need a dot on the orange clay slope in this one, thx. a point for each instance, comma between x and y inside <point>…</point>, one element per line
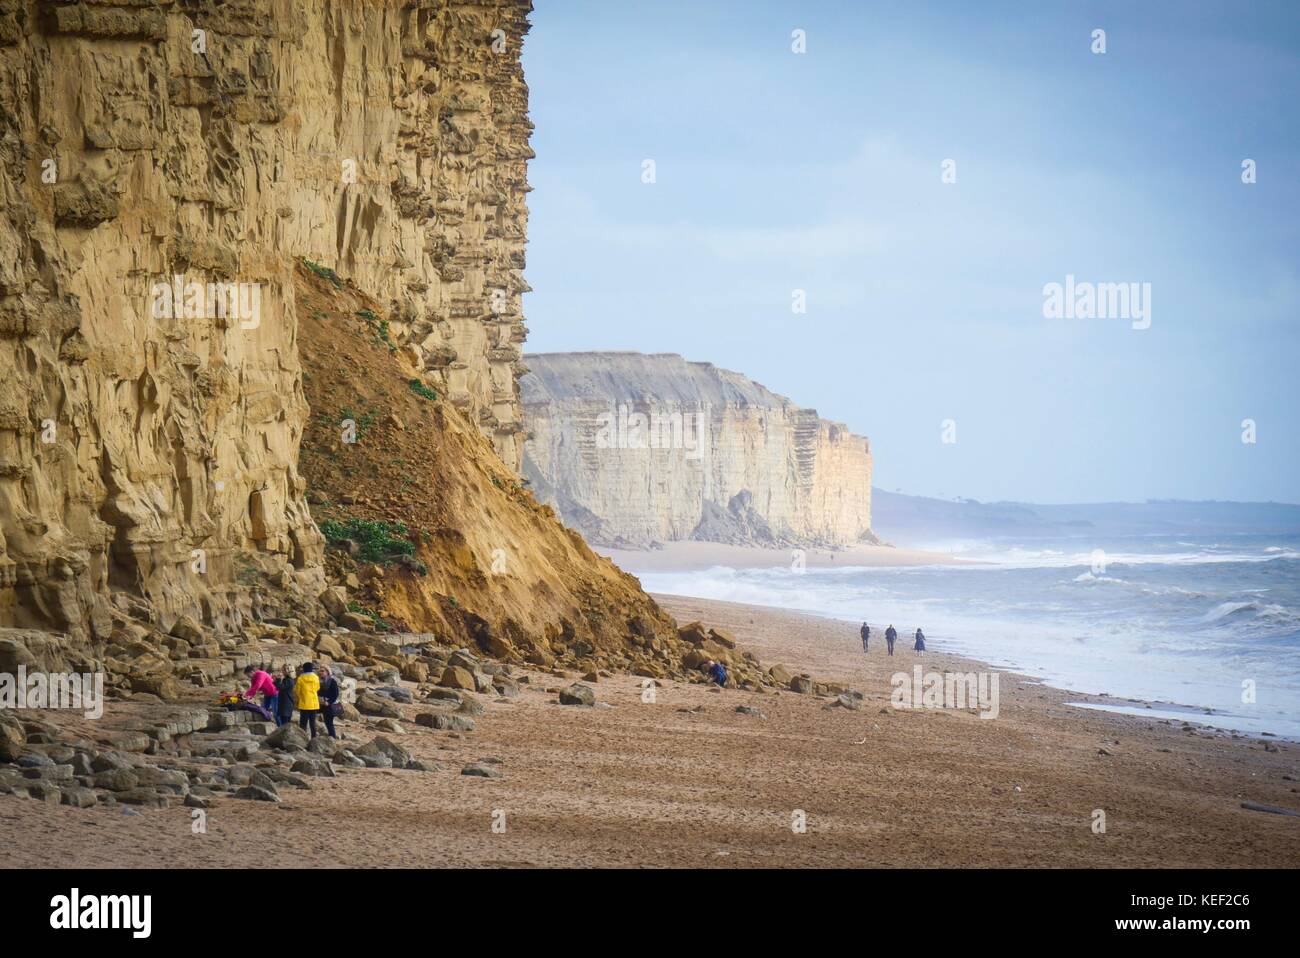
<point>491,568</point>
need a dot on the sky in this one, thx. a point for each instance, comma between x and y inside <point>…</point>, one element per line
<point>925,326</point>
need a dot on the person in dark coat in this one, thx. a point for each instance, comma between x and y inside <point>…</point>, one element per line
<point>865,632</point>
<point>920,641</point>
<point>891,636</point>
<point>329,694</point>
<point>284,701</point>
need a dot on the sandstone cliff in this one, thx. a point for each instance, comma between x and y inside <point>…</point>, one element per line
<point>632,449</point>
<point>150,418</point>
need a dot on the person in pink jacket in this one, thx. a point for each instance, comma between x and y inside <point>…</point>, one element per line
<point>261,681</point>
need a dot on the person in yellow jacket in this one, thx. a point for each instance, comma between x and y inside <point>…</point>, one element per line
<point>305,696</point>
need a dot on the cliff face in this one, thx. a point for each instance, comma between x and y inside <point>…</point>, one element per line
<point>632,449</point>
<point>149,417</point>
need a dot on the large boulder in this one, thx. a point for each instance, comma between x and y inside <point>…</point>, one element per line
<point>329,647</point>
<point>78,797</point>
<point>471,706</point>
<point>693,632</point>
<point>117,780</point>
<point>356,622</point>
<point>381,706</point>
<point>465,659</point>
<point>416,671</point>
<point>316,767</point>
<point>335,600</point>
<point>723,637</point>
<point>398,756</point>
<point>695,658</point>
<point>445,722</point>
<point>258,793</point>
<point>498,646</point>
<point>164,686</point>
<point>578,694</point>
<point>458,677</point>
<point>288,737</point>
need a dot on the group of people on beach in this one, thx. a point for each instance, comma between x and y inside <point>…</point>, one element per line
<point>891,636</point>
<point>312,691</point>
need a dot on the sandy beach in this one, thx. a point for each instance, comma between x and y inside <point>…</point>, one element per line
<point>687,781</point>
<point>691,555</point>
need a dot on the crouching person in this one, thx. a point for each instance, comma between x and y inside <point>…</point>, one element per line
<point>260,681</point>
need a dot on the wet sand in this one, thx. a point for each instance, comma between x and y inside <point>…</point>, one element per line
<point>686,781</point>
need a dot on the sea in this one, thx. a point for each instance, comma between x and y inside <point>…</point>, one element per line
<point>1201,628</point>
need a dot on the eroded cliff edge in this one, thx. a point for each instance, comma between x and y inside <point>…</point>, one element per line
<point>633,449</point>
<point>149,448</point>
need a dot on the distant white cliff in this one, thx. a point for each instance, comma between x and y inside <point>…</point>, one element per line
<point>633,449</point>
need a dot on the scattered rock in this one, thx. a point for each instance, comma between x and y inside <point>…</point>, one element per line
<point>780,675</point>
<point>257,793</point>
<point>146,797</point>
<point>347,759</point>
<point>117,780</point>
<point>471,706</point>
<point>315,767</point>
<point>368,703</point>
<point>397,756</point>
<point>289,738</point>
<point>481,770</point>
<point>79,797</point>
<point>445,722</point>
<point>323,745</point>
<point>801,684</point>
<point>456,677</point>
<point>578,694</point>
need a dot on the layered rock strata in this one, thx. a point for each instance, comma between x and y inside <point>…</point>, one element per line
<point>162,166</point>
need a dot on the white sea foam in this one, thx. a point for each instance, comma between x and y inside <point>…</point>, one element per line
<point>1187,626</point>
